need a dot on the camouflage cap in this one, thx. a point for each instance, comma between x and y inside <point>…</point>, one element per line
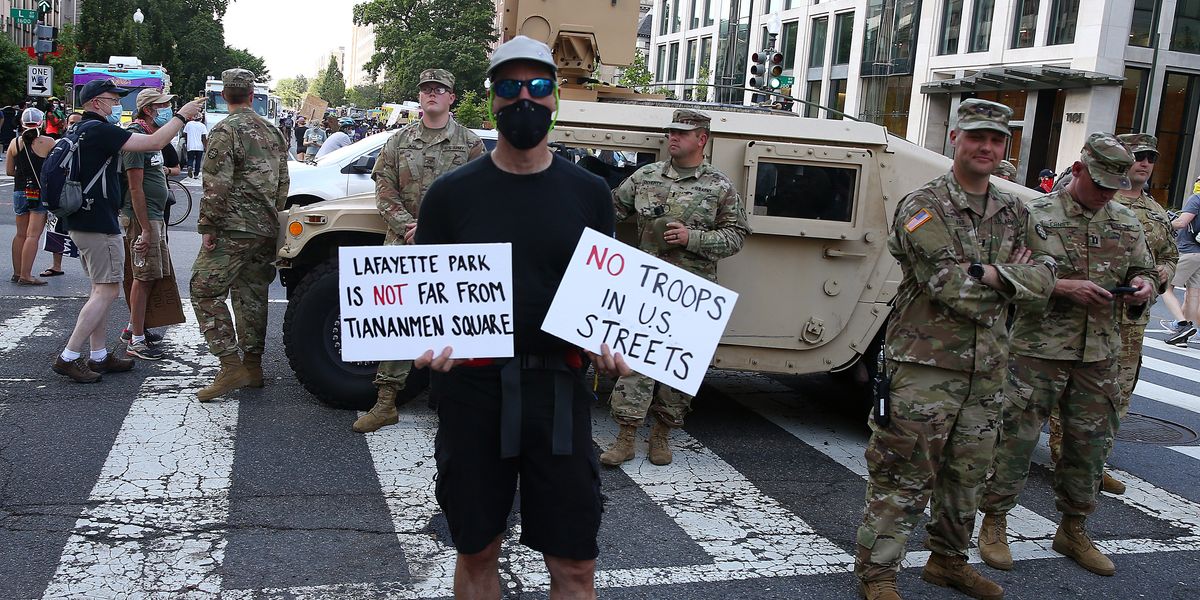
<point>1139,142</point>
<point>976,114</point>
<point>686,119</point>
<point>1005,170</point>
<point>1107,161</point>
<point>441,76</point>
<point>237,78</point>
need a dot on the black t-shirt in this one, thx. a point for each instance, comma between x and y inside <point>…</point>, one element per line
<point>299,131</point>
<point>99,143</point>
<point>542,215</point>
<point>170,156</point>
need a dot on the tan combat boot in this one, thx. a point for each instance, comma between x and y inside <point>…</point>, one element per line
<point>382,414</point>
<point>622,449</point>
<point>253,365</point>
<point>231,377</point>
<point>879,589</point>
<point>660,446</point>
<point>1072,540</point>
<point>993,542</point>
<point>1112,485</point>
<point>953,571</point>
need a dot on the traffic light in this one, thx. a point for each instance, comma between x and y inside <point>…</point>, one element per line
<point>758,70</point>
<point>45,42</point>
<point>774,70</point>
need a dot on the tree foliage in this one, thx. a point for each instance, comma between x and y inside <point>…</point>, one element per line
<point>64,63</point>
<point>414,35</point>
<point>637,75</point>
<point>244,59</point>
<point>367,95</point>
<point>330,86</point>
<point>14,64</point>
<point>471,110</point>
<point>292,90</point>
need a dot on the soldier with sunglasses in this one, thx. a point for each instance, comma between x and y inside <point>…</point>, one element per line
<point>408,164</point>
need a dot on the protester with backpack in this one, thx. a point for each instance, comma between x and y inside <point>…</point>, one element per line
<point>23,162</point>
<point>83,168</point>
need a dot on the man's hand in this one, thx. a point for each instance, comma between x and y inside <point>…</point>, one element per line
<point>410,233</point>
<point>1162,274</point>
<point>209,241</point>
<point>609,364</point>
<point>1082,292</point>
<point>676,234</point>
<point>1020,256</point>
<point>1145,290</point>
<point>141,244</point>
<point>192,109</point>
<point>441,363</point>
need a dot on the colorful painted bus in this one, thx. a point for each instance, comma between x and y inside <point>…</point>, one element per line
<point>127,72</point>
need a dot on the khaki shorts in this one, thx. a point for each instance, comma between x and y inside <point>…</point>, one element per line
<point>158,256</point>
<point>1187,274</point>
<point>102,255</point>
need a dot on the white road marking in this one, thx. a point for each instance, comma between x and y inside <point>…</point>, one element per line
<point>1170,368</point>
<point>1158,393</point>
<point>1158,344</point>
<point>25,324</point>
<point>1192,451</point>
<point>155,524</point>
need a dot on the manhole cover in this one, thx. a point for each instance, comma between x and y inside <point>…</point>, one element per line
<point>1151,430</point>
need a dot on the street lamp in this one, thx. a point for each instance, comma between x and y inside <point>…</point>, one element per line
<point>138,17</point>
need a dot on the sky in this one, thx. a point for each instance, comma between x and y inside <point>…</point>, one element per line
<point>284,33</point>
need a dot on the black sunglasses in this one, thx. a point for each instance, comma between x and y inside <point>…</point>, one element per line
<point>539,87</point>
<point>1146,155</point>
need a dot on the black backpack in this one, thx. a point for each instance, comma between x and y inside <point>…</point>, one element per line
<point>61,189</point>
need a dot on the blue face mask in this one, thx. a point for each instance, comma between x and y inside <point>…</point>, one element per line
<point>163,117</point>
<point>114,116</point>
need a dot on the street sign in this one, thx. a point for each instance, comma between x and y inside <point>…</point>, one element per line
<point>22,16</point>
<point>40,81</point>
<point>786,80</point>
<point>43,6</point>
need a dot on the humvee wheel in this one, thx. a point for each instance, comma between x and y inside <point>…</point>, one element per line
<point>312,342</point>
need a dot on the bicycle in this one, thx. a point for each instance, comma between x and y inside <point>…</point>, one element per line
<point>181,197</point>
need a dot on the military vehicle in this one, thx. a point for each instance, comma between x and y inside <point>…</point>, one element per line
<point>815,279</point>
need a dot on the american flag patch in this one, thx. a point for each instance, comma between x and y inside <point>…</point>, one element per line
<point>922,217</point>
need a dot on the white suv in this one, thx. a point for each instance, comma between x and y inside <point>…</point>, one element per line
<point>346,171</point>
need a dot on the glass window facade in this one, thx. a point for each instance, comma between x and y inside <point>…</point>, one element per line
<point>814,97</point>
<point>708,12</point>
<point>673,63</point>
<point>843,37</point>
<point>691,59</point>
<point>1185,37</point>
<point>1144,23</point>
<point>837,97</point>
<point>664,16</point>
<point>890,35</point>
<point>1063,17</point>
<point>733,52</point>
<point>885,102</point>
<point>676,21</point>
<point>951,25</point>
<point>693,15</point>
<point>1176,131</point>
<point>705,52</point>
<point>816,45</point>
<point>661,63</point>
<point>981,25</point>
<point>1133,98</point>
<point>1025,26</point>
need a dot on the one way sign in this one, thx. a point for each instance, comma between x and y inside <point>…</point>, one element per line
<point>40,81</point>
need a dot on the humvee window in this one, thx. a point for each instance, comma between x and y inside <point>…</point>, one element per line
<point>803,191</point>
<point>611,165</point>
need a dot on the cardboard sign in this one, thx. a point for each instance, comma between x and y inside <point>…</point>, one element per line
<point>399,301</point>
<point>313,109</point>
<point>664,320</point>
<point>163,306</point>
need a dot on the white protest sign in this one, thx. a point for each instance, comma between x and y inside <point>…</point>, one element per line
<point>399,301</point>
<point>664,320</point>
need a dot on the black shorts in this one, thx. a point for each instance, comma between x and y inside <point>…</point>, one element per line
<point>560,495</point>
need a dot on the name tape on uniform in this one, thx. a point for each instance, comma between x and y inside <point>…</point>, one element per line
<point>400,301</point>
<point>664,320</point>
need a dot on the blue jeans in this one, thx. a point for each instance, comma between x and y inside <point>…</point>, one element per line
<point>23,206</point>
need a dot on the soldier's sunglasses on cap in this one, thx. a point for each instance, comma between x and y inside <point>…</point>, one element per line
<point>539,87</point>
<point>1146,155</point>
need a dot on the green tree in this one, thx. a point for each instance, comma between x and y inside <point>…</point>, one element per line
<point>292,90</point>
<point>700,90</point>
<point>14,64</point>
<point>64,63</point>
<point>330,85</point>
<point>367,95</point>
<point>244,59</point>
<point>414,35</point>
<point>471,111</point>
<point>637,75</point>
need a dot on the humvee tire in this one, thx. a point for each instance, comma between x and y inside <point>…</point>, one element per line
<point>311,340</point>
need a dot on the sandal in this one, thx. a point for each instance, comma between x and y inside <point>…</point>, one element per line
<point>15,278</point>
<point>32,282</point>
<point>50,273</point>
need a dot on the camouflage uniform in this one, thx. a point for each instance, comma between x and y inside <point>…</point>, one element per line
<point>1065,354</point>
<point>1005,170</point>
<point>408,164</point>
<point>707,203</point>
<point>245,184</point>
<point>946,345</point>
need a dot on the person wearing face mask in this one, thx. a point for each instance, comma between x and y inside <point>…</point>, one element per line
<point>340,138</point>
<point>24,163</point>
<point>525,418</point>
<point>143,221</point>
<point>95,229</point>
<point>408,164</point>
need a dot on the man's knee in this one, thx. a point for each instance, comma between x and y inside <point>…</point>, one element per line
<point>576,572</point>
<point>483,559</point>
<point>106,291</point>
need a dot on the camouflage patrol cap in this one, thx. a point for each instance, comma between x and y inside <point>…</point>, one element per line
<point>686,119</point>
<point>1107,161</point>
<point>1005,170</point>
<point>1139,142</point>
<point>237,78</point>
<point>441,76</point>
<point>976,114</point>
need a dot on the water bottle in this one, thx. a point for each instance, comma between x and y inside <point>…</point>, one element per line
<point>139,258</point>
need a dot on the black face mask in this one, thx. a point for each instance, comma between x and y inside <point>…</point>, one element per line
<point>524,124</point>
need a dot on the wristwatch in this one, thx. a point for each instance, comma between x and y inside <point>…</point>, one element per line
<point>976,271</point>
<point>180,117</point>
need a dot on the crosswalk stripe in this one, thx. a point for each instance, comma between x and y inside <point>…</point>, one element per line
<point>14,330</point>
<point>1192,451</point>
<point>1158,344</point>
<point>156,516</point>
<point>1158,393</point>
<point>1167,367</point>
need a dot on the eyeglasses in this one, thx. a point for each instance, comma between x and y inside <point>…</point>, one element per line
<point>539,87</point>
<point>109,99</point>
<point>1146,155</point>
<point>435,90</point>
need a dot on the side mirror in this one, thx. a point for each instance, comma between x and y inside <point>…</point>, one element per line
<point>362,166</point>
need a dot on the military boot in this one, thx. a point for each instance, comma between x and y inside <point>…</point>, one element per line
<point>954,572</point>
<point>1072,540</point>
<point>253,365</point>
<point>879,589</point>
<point>660,446</point>
<point>622,449</point>
<point>382,414</point>
<point>993,542</point>
<point>231,377</point>
<point>1112,485</point>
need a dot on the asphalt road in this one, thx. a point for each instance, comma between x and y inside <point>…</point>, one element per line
<point>130,488</point>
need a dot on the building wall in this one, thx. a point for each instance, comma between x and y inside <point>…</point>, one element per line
<point>62,12</point>
<point>362,48</point>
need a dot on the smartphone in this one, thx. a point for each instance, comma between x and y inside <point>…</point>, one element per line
<point>1123,289</point>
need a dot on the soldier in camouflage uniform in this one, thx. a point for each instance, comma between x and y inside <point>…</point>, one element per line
<point>245,184</point>
<point>690,215</point>
<point>1064,353</point>
<point>1006,170</point>
<point>1161,238</point>
<point>959,242</point>
<point>410,161</point>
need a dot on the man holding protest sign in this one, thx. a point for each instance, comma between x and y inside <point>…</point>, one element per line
<point>408,164</point>
<point>689,215</point>
<point>526,418</point>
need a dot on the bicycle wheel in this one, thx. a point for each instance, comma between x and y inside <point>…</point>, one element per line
<point>183,202</point>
